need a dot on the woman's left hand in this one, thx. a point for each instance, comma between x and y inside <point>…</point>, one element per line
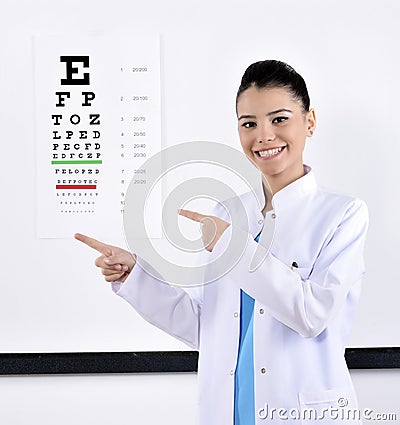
<point>212,227</point>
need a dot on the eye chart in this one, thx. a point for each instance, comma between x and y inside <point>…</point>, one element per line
<point>98,118</point>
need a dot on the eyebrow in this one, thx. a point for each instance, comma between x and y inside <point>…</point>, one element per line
<point>277,111</point>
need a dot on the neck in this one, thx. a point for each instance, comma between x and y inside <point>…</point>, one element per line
<point>267,195</point>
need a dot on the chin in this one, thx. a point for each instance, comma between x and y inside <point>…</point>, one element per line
<point>272,171</point>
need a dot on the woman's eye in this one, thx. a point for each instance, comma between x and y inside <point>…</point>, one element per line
<point>249,124</point>
<point>279,120</point>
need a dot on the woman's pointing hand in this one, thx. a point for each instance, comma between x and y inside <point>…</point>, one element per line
<point>212,227</point>
<point>115,263</point>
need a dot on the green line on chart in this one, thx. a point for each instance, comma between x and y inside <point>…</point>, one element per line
<point>94,161</point>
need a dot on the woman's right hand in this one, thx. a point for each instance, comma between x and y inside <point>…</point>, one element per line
<point>115,263</point>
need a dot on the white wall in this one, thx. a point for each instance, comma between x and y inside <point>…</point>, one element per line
<point>347,51</point>
<point>85,400</point>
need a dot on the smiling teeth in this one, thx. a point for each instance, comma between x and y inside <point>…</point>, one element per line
<point>270,152</point>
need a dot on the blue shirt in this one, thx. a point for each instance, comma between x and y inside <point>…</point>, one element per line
<point>244,377</point>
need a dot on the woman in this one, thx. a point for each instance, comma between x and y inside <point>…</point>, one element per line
<point>271,339</point>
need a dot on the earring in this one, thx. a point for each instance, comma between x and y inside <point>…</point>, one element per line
<point>311,132</point>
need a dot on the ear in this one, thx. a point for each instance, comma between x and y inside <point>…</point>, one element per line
<point>311,122</point>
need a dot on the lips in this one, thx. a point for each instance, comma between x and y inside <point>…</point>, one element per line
<point>271,152</point>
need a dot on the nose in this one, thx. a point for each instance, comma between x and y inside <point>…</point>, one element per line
<point>265,133</point>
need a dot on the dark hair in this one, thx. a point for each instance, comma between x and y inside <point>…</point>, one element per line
<point>273,73</point>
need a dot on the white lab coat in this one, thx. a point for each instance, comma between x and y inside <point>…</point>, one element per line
<point>302,316</point>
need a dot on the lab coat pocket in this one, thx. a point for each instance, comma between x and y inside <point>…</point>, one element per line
<point>328,407</point>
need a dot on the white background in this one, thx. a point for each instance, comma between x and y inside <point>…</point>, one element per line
<point>52,297</point>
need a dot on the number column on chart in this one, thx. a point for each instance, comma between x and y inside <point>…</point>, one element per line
<point>134,128</point>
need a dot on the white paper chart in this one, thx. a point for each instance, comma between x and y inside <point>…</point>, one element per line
<point>98,118</point>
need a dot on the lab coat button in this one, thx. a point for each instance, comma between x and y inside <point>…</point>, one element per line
<point>263,370</point>
<point>235,314</point>
<point>231,372</point>
<point>261,311</point>
<point>273,215</point>
<point>260,221</point>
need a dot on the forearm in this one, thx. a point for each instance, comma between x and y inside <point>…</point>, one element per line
<point>305,303</point>
<point>170,308</point>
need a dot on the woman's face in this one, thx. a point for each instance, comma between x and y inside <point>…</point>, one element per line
<point>272,131</point>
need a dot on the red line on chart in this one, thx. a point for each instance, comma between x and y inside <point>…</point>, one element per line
<point>75,186</point>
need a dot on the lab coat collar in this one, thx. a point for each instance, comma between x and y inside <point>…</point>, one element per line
<point>292,192</point>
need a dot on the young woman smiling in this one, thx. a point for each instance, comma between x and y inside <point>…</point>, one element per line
<point>271,339</point>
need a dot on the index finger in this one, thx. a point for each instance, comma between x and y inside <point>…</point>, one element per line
<point>193,215</point>
<point>94,243</point>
